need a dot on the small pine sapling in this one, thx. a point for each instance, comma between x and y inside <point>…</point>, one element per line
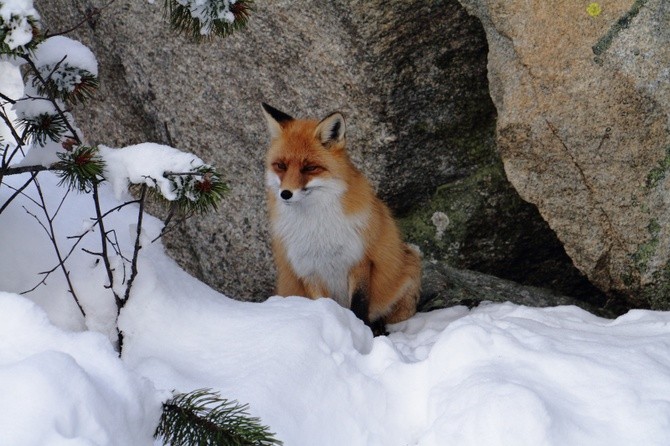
<point>61,72</point>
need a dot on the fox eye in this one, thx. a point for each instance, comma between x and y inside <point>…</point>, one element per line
<point>280,166</point>
<point>311,168</point>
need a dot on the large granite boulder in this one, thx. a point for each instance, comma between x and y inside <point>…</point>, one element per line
<point>583,101</point>
<point>409,76</point>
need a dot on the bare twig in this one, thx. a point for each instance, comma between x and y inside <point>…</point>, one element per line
<point>24,169</point>
<point>60,205</point>
<point>114,209</point>
<point>103,243</point>
<point>17,192</point>
<point>51,233</point>
<point>78,238</point>
<point>166,228</point>
<point>40,283</point>
<point>23,193</point>
<point>88,17</point>
<point>38,220</point>
<point>138,245</point>
<point>7,98</point>
<point>168,218</point>
<point>184,174</point>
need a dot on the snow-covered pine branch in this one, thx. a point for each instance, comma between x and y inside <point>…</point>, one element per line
<point>68,68</point>
<point>177,176</point>
<point>19,26</point>
<point>207,18</point>
<point>58,72</point>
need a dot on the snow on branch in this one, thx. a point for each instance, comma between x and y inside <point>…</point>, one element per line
<point>68,69</point>
<point>178,176</point>
<point>18,26</point>
<point>206,18</point>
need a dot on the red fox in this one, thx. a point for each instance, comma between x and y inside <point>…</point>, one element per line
<point>331,235</point>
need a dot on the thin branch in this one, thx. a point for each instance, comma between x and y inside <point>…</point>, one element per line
<point>60,205</point>
<point>7,98</point>
<point>52,237</point>
<point>92,13</point>
<point>116,208</point>
<point>93,253</point>
<point>103,243</point>
<point>168,218</point>
<point>40,283</point>
<point>114,242</point>
<point>184,174</point>
<point>38,221</point>
<point>17,192</point>
<point>24,169</point>
<point>178,222</point>
<point>61,262</point>
<point>138,245</point>
<point>23,193</point>
<point>78,238</point>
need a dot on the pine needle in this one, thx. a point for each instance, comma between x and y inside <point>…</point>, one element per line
<point>182,20</point>
<point>79,168</point>
<point>43,127</point>
<point>203,418</point>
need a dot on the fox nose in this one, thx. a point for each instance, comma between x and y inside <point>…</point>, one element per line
<point>286,194</point>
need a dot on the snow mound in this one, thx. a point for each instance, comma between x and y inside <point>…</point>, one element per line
<point>497,375</point>
<point>67,388</point>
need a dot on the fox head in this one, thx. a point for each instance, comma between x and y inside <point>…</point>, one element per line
<point>306,157</point>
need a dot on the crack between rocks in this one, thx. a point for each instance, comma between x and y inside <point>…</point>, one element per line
<point>609,229</point>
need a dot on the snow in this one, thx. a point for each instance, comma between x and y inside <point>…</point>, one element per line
<point>61,49</point>
<point>499,374</point>
<point>11,84</point>
<point>31,104</point>
<point>14,17</point>
<point>207,11</point>
<point>69,388</point>
<point>146,163</point>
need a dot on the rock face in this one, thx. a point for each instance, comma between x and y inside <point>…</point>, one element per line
<point>583,101</point>
<point>409,76</point>
<point>444,286</point>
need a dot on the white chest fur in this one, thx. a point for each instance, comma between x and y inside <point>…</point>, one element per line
<point>322,243</point>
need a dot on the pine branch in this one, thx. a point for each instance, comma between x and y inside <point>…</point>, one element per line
<point>199,191</point>
<point>54,102</point>
<point>66,82</point>
<point>202,417</point>
<point>213,18</point>
<point>79,168</point>
<point>12,22</point>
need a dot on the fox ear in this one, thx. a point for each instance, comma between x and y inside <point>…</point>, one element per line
<point>331,129</point>
<point>276,119</point>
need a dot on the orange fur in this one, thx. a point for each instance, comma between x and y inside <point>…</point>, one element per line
<point>332,207</point>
